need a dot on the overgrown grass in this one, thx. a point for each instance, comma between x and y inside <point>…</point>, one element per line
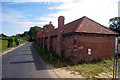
<point>90,70</point>
<point>3,45</point>
<point>119,65</point>
<point>87,70</point>
<point>52,57</point>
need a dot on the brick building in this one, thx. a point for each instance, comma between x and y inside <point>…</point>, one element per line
<point>81,39</point>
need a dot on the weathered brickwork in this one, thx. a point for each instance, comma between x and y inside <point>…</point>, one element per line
<point>101,48</point>
<point>74,40</point>
<point>54,43</point>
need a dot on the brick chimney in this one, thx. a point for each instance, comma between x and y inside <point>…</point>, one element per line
<point>60,22</point>
<point>50,27</point>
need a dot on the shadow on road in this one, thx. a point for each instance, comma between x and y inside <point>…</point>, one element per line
<point>20,62</point>
<point>36,59</point>
<point>39,63</point>
<point>22,54</point>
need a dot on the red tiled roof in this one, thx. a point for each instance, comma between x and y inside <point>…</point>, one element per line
<point>69,27</point>
<point>90,26</point>
<point>85,25</point>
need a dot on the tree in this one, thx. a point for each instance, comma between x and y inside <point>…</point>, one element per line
<point>47,25</point>
<point>33,31</point>
<point>2,35</point>
<point>114,24</point>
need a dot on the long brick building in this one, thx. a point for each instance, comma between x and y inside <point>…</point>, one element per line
<point>81,39</point>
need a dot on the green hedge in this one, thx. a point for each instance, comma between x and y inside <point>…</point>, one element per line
<point>3,44</point>
<point>10,42</point>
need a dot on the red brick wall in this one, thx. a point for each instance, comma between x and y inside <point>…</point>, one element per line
<point>54,44</point>
<point>67,46</point>
<point>101,48</point>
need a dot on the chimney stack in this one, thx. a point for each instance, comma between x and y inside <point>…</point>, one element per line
<point>50,27</point>
<point>60,22</point>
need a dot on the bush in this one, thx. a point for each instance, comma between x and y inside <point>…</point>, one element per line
<point>17,42</point>
<point>10,40</point>
<point>56,60</point>
<point>3,44</point>
<point>13,43</point>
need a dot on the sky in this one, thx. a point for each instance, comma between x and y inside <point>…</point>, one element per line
<point>119,9</point>
<point>19,15</point>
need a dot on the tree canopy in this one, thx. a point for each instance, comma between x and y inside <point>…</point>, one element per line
<point>46,25</point>
<point>33,31</point>
<point>28,35</point>
<point>114,24</point>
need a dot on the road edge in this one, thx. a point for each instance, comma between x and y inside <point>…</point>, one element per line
<point>12,49</point>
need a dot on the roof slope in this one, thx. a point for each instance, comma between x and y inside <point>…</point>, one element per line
<point>90,26</point>
<point>85,25</point>
<point>71,27</point>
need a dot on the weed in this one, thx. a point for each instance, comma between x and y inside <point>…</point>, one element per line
<point>85,69</point>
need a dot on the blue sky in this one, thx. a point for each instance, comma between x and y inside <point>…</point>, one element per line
<point>19,15</point>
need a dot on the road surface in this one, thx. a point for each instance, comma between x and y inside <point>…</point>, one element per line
<point>24,62</point>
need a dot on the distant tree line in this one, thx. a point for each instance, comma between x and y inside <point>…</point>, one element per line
<point>11,41</point>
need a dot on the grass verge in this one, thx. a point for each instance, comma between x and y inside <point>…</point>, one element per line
<point>87,70</point>
<point>6,49</point>
<point>51,57</point>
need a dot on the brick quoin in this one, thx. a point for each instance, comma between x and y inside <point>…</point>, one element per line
<point>72,40</point>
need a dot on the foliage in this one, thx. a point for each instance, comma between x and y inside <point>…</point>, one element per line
<point>90,70</point>
<point>13,43</point>
<point>87,70</point>
<point>119,65</point>
<point>3,45</point>
<point>17,41</point>
<point>10,40</point>
<point>115,24</point>
<point>2,35</point>
<point>47,25</point>
<point>33,31</point>
<point>52,57</point>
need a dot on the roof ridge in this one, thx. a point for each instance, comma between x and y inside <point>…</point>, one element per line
<point>82,19</point>
<point>101,25</point>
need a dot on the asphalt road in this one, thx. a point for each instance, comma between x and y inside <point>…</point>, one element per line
<point>24,62</point>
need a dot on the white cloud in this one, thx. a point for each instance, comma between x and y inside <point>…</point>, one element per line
<point>119,9</point>
<point>46,1</point>
<point>12,16</point>
<point>98,10</point>
<point>18,19</point>
<point>17,22</point>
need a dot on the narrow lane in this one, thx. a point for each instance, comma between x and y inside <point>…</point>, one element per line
<point>24,62</point>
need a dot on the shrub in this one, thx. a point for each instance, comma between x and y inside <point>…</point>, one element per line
<point>13,43</point>
<point>16,40</point>
<point>10,40</point>
<point>3,44</point>
<point>56,60</point>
